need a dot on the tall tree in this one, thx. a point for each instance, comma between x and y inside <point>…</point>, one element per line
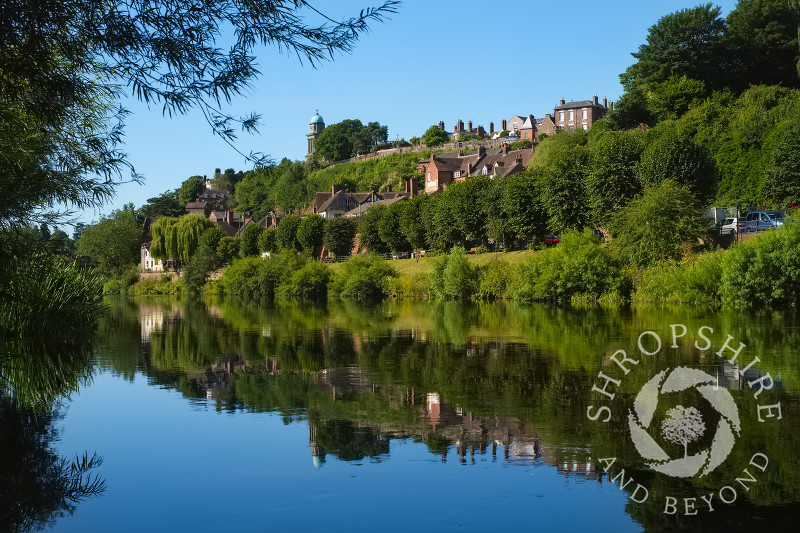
<point>249,241</point>
<point>611,180</point>
<point>114,240</point>
<point>310,234</point>
<point>190,189</point>
<point>683,43</point>
<point>339,235</point>
<point>435,136</point>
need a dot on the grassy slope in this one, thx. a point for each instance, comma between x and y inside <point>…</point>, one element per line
<point>410,267</point>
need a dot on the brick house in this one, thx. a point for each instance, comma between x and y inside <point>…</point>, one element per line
<point>581,114</point>
<point>443,169</point>
<point>338,201</point>
<point>545,126</point>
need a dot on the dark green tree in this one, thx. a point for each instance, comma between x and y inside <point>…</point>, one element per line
<point>674,155</point>
<point>527,217</point>
<point>782,179</point>
<point>114,240</point>
<point>611,180</point>
<point>653,227</point>
<point>339,235</point>
<point>390,228</point>
<point>310,234</point>
<point>190,190</point>
<point>197,269</point>
<point>249,241</point>
<point>369,236</point>
<point>435,136</point>
<point>411,222</point>
<point>228,250</point>
<point>287,232</point>
<point>164,205</point>
<point>268,241</point>
<point>290,187</point>
<point>683,43</point>
<point>563,190</point>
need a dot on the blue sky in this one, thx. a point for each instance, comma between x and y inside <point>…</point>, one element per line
<point>434,60</point>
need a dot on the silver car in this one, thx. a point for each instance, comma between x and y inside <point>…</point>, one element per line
<point>763,220</point>
<point>732,225</point>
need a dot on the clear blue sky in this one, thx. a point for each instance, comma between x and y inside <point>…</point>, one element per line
<point>434,60</point>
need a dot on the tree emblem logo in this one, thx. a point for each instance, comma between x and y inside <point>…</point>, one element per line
<point>683,425</point>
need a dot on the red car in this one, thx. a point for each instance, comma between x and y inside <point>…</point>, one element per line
<point>551,240</point>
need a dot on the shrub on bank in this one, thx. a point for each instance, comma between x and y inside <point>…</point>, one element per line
<point>578,267</point>
<point>308,283</point>
<point>764,271</point>
<point>694,280</point>
<point>53,292</point>
<point>494,279</point>
<point>362,278</point>
<point>163,285</point>
<point>258,278</point>
<point>453,276</point>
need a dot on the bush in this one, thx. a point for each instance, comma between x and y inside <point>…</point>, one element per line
<point>495,278</point>
<point>578,267</point>
<point>257,278</point>
<point>52,292</point>
<point>695,280</point>
<point>308,283</point>
<point>416,287</point>
<point>453,276</point>
<point>362,278</point>
<point>765,271</point>
<point>163,285</point>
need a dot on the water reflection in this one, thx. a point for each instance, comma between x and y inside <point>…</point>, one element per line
<point>471,383</point>
<point>37,486</point>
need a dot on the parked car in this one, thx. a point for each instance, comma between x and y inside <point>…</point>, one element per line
<point>732,225</point>
<point>551,240</point>
<point>763,220</point>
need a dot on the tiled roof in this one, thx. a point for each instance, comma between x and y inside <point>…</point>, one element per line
<point>358,211</point>
<point>196,205</point>
<point>579,103</point>
<point>327,204</point>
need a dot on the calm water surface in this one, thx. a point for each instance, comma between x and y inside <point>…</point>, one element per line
<point>231,416</point>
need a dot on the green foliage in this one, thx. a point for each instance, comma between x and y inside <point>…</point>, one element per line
<point>228,250</point>
<point>694,280</point>
<point>189,190</point>
<point>164,205</point>
<point>453,276</point>
<point>675,156</point>
<point>310,282</point>
<point>349,138</point>
<point>164,285</point>
<point>435,136</point>
<point>53,293</point>
<point>211,237</point>
<point>258,278</point>
<point>683,43</point>
<point>411,222</point>
<point>764,271</point>
<point>383,173</point>
<point>579,267</point>
<point>670,99</point>
<point>495,278</point>
<point>268,241</point>
<point>287,232</point>
<point>782,180</point>
<point>177,239</point>
<point>522,145</point>
<point>362,278</point>
<point>654,226</point>
<point>122,282</point>
<point>290,190</point>
<point>369,230</point>
<point>196,271</point>
<point>249,240</point>
<point>114,241</point>
<point>527,217</point>
<point>338,235</point>
<point>390,228</point>
<point>311,234</point>
<point>563,189</point>
<point>553,148</point>
<point>611,179</point>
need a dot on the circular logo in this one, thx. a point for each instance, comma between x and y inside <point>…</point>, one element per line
<point>683,425</point>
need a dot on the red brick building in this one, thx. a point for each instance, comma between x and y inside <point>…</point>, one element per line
<point>581,114</point>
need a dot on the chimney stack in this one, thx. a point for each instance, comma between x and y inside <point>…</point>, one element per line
<point>563,101</point>
<point>594,100</point>
<point>605,102</point>
<point>469,125</point>
<point>441,124</point>
<point>491,128</point>
<point>481,150</point>
<point>503,125</point>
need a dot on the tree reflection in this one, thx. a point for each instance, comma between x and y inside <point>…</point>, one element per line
<point>37,486</point>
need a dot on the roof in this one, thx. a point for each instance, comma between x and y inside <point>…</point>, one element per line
<point>196,205</point>
<point>316,119</point>
<point>358,211</point>
<point>579,103</point>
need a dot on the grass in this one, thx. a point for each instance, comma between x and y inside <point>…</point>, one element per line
<point>411,267</point>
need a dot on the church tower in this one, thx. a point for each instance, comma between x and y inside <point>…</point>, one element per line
<point>315,128</point>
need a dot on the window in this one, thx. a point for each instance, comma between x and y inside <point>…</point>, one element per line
<point>561,116</point>
<point>584,113</point>
<point>571,127</point>
<point>525,135</point>
<point>428,176</point>
<point>585,127</point>
<point>571,115</point>
<point>457,174</point>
